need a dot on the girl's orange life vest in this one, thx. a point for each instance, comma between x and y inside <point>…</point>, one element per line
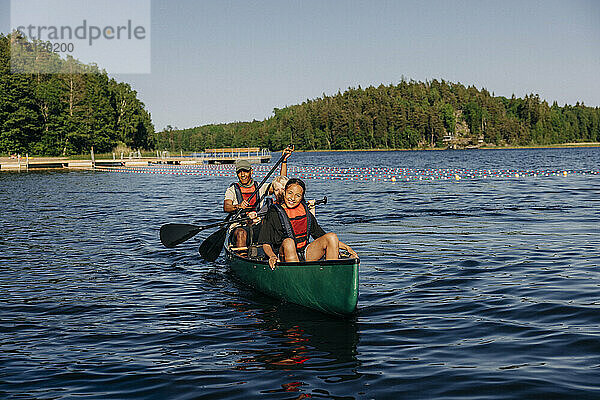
<point>296,222</point>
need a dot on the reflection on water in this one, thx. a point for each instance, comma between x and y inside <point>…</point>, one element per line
<point>299,338</point>
<point>292,338</point>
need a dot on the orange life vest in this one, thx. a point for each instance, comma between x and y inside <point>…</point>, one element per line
<point>296,222</point>
<point>243,193</point>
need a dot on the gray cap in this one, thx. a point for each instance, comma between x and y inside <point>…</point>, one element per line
<point>242,164</point>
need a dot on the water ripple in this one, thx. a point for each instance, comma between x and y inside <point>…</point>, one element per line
<point>469,289</point>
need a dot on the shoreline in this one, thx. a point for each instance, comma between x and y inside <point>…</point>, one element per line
<point>547,146</point>
<point>6,158</point>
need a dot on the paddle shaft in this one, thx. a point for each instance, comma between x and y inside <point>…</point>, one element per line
<point>231,221</point>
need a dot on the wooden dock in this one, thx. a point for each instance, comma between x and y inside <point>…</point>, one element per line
<point>228,156</point>
<point>210,156</point>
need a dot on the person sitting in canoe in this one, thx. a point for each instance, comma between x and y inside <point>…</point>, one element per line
<point>238,197</point>
<point>287,227</point>
<point>278,189</point>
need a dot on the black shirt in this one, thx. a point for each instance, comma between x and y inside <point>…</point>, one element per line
<point>272,231</point>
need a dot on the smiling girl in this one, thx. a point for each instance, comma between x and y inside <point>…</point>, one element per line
<point>287,228</point>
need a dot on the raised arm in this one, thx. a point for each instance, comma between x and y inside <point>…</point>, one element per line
<point>287,152</point>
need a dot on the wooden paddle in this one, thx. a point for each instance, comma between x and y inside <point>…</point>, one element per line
<point>212,245</point>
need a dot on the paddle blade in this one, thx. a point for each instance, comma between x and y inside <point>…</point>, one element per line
<point>212,245</point>
<point>173,234</point>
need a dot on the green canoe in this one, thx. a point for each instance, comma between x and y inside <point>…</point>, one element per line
<point>327,286</point>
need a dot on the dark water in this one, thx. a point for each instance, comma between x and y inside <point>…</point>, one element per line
<point>470,289</point>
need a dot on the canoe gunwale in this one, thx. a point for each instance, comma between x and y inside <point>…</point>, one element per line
<point>340,261</point>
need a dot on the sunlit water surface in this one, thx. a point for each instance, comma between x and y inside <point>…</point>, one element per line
<point>469,289</point>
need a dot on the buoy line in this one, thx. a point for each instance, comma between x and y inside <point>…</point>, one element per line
<point>383,174</point>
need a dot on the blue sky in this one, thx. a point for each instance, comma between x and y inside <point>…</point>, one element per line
<point>222,61</point>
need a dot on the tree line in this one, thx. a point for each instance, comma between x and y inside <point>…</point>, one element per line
<point>408,115</point>
<point>69,111</point>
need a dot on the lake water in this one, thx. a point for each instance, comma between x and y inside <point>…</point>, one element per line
<point>483,287</point>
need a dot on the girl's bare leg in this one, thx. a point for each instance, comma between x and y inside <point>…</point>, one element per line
<point>289,250</point>
<point>328,245</point>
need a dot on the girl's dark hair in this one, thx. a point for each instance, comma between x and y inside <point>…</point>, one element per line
<point>296,181</point>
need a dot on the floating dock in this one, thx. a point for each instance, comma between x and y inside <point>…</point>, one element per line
<point>210,156</point>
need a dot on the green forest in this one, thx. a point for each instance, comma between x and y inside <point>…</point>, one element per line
<point>408,115</point>
<point>67,112</point>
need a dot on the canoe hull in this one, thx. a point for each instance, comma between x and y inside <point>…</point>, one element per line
<point>327,286</point>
